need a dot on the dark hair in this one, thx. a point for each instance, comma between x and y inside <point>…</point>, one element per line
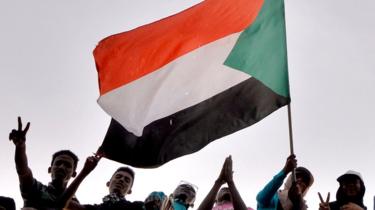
<point>342,198</point>
<point>126,169</point>
<point>305,175</point>
<point>68,153</point>
<point>7,203</point>
<point>182,196</point>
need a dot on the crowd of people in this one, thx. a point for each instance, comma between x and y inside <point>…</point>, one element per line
<point>59,195</point>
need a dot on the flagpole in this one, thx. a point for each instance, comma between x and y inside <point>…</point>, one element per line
<point>290,130</point>
<point>291,138</point>
<point>291,145</point>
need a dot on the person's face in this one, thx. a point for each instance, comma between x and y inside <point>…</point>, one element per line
<point>301,183</point>
<point>223,195</point>
<point>62,168</point>
<point>187,192</point>
<point>351,187</point>
<point>120,183</point>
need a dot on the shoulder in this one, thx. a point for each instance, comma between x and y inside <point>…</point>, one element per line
<point>35,187</point>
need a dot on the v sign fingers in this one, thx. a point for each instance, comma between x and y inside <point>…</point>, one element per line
<point>19,136</point>
<point>20,126</point>
<point>26,128</point>
<point>324,204</point>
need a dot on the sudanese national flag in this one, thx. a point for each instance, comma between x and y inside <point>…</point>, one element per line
<point>177,84</point>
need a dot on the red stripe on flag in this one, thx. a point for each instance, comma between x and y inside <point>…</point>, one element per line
<point>127,56</point>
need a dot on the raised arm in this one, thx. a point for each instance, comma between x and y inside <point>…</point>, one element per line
<point>19,138</point>
<point>66,198</point>
<point>209,200</point>
<point>264,197</point>
<point>238,203</point>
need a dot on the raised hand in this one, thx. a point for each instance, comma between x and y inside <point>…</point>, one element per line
<point>324,205</point>
<point>91,163</point>
<point>19,136</point>
<point>291,163</point>
<point>228,169</point>
<point>221,178</point>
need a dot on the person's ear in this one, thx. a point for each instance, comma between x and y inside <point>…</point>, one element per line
<point>129,192</point>
<point>74,174</point>
<point>49,169</point>
<point>107,184</point>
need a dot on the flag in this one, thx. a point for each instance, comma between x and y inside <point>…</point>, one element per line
<point>175,85</point>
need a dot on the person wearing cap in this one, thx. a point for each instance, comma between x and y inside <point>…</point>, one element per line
<point>182,198</point>
<point>225,198</point>
<point>291,197</point>
<point>154,200</point>
<point>350,194</point>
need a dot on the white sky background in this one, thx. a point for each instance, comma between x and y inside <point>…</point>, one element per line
<point>49,78</point>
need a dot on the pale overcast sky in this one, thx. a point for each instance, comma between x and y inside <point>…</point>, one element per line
<point>49,78</point>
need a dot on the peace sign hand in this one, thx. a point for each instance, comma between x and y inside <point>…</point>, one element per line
<point>19,136</point>
<point>324,205</point>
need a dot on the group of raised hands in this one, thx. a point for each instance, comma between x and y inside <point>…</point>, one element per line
<point>18,136</point>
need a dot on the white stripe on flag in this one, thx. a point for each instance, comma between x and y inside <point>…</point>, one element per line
<point>178,85</point>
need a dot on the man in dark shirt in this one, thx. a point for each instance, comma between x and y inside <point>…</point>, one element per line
<point>34,193</point>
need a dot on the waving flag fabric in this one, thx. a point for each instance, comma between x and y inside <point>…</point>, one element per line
<point>175,85</point>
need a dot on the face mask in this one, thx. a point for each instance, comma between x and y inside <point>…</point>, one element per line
<point>179,206</point>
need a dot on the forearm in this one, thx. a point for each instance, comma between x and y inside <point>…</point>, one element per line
<point>209,200</point>
<point>25,175</point>
<point>21,160</point>
<point>69,192</point>
<point>264,197</point>
<point>238,203</point>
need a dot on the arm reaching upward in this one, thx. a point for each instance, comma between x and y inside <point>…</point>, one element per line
<point>238,203</point>
<point>209,200</point>
<point>266,195</point>
<point>65,200</point>
<point>19,138</point>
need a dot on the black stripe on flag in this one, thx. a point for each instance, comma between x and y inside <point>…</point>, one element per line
<point>191,129</point>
